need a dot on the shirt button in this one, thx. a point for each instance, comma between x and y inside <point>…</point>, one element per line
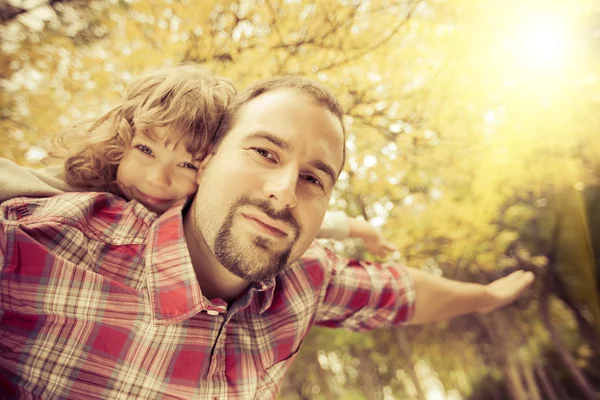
<point>212,312</point>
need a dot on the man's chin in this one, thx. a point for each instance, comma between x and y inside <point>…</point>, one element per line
<point>256,263</point>
<point>248,254</point>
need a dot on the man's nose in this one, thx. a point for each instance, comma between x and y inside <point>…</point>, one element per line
<point>280,186</point>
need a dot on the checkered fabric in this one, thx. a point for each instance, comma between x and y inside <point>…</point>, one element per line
<point>99,300</point>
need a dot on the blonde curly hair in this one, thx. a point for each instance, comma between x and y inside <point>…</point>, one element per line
<point>186,97</point>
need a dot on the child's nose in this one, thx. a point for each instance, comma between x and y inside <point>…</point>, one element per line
<point>158,176</point>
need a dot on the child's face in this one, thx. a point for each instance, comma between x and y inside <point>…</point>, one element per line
<point>156,174</point>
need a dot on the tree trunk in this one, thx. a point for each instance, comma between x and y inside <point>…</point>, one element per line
<point>512,378</point>
<point>365,376</point>
<point>558,384</point>
<point>406,352</point>
<point>550,394</point>
<point>587,331</point>
<point>586,389</point>
<point>496,395</point>
<point>532,386</point>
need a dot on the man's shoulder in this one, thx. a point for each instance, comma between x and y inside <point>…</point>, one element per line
<point>98,214</point>
<point>319,252</point>
<point>318,262</point>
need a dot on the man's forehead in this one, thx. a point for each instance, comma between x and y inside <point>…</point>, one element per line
<point>294,116</point>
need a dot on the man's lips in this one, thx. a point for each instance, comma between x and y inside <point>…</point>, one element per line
<point>269,225</point>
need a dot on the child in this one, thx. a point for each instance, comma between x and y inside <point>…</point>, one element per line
<point>148,149</point>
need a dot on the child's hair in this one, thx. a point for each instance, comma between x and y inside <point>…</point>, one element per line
<point>185,97</point>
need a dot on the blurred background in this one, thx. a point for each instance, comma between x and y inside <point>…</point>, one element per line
<point>473,143</point>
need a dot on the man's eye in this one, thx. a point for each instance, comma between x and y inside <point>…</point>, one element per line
<point>189,165</point>
<point>312,180</point>
<point>144,149</point>
<point>264,153</point>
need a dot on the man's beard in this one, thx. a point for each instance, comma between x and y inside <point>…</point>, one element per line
<point>233,255</point>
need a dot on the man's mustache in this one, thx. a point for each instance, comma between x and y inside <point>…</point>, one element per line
<point>284,215</point>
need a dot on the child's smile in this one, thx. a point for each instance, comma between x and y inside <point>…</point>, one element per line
<point>156,170</point>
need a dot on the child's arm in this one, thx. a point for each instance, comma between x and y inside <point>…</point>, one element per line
<point>337,225</point>
<point>374,240</point>
<point>17,181</point>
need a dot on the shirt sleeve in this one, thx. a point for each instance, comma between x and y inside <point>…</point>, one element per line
<point>336,225</point>
<point>19,181</point>
<point>363,296</point>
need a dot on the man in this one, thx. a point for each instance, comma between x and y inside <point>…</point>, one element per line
<point>101,299</point>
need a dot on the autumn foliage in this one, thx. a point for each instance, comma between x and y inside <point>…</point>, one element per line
<point>472,142</point>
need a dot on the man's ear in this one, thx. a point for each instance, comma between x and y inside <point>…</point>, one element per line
<point>202,165</point>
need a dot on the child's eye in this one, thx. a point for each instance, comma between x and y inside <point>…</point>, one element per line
<point>144,149</point>
<point>189,165</point>
<point>264,153</point>
<point>312,180</point>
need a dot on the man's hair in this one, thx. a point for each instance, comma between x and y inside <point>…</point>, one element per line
<point>184,97</point>
<point>312,88</point>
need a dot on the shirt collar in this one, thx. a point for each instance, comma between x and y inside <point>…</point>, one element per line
<point>172,285</point>
<point>265,291</point>
<point>173,288</point>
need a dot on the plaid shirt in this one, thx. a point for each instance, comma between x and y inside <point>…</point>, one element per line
<point>99,300</point>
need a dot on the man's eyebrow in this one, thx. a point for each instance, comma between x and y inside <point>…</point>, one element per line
<point>320,165</point>
<point>282,144</point>
<point>285,146</point>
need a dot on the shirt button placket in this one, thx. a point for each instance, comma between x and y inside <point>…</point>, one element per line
<point>217,362</point>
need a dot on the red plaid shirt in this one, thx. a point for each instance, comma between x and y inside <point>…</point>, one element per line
<point>98,299</point>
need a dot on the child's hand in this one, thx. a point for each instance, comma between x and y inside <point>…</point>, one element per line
<point>374,240</point>
<point>377,244</point>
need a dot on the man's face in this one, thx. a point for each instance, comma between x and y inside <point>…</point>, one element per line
<point>263,194</point>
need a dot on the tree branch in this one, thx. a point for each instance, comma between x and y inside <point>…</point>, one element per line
<point>9,13</point>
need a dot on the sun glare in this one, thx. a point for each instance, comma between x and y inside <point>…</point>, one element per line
<point>435,394</point>
<point>543,42</point>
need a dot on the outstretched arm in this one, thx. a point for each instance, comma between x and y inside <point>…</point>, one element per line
<point>17,181</point>
<point>373,239</point>
<point>339,226</point>
<point>439,298</point>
